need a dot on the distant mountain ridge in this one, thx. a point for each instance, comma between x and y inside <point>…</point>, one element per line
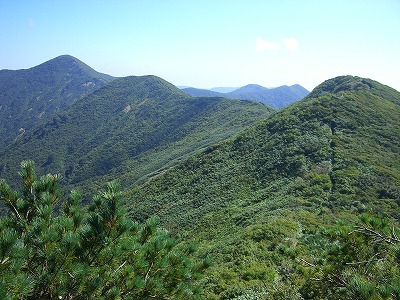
<point>202,92</point>
<point>223,89</point>
<point>29,96</point>
<point>278,97</point>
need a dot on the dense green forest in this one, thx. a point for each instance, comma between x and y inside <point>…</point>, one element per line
<point>272,204</point>
<point>128,129</point>
<point>217,198</point>
<point>29,97</point>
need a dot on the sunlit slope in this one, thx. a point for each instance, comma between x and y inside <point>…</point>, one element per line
<point>144,119</point>
<point>248,200</point>
<point>29,97</point>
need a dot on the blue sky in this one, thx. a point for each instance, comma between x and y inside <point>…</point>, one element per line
<point>210,43</point>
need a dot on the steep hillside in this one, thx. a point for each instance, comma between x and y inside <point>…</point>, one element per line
<point>128,129</point>
<point>27,97</point>
<point>258,203</point>
<point>275,97</point>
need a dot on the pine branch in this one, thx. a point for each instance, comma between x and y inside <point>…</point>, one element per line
<point>119,267</point>
<point>147,274</point>
<point>16,213</point>
<point>306,262</point>
<point>365,261</point>
<point>378,236</point>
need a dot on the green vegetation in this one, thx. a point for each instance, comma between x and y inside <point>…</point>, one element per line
<point>259,203</point>
<point>29,97</point>
<point>361,262</point>
<point>128,129</point>
<point>301,203</point>
<point>51,248</point>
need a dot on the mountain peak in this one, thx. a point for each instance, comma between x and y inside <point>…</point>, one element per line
<point>348,83</point>
<point>69,64</point>
<point>29,96</point>
<point>252,88</point>
<point>65,57</point>
<point>345,83</point>
<point>61,61</point>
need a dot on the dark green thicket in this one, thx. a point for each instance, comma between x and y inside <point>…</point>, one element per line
<point>53,248</point>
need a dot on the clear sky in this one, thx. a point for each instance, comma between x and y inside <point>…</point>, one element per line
<point>210,43</point>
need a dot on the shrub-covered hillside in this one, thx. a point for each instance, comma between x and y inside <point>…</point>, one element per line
<point>29,97</point>
<point>276,206</point>
<point>128,129</point>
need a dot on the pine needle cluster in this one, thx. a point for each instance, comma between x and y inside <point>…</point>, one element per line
<point>54,248</point>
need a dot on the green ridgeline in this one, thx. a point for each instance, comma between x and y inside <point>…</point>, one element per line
<point>130,129</point>
<point>276,206</point>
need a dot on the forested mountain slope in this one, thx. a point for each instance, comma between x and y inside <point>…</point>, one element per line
<point>262,204</point>
<point>128,129</point>
<point>28,97</point>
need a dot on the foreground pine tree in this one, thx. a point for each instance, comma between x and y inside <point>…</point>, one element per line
<point>53,248</point>
<point>360,262</point>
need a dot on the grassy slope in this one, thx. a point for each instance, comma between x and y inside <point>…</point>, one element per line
<point>256,202</point>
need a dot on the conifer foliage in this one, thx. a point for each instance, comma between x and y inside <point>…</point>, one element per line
<point>360,262</point>
<point>53,248</point>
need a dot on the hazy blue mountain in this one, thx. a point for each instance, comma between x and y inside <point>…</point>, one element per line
<point>250,88</point>
<point>30,96</point>
<point>275,97</point>
<point>202,92</point>
<point>299,90</point>
<point>223,89</point>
